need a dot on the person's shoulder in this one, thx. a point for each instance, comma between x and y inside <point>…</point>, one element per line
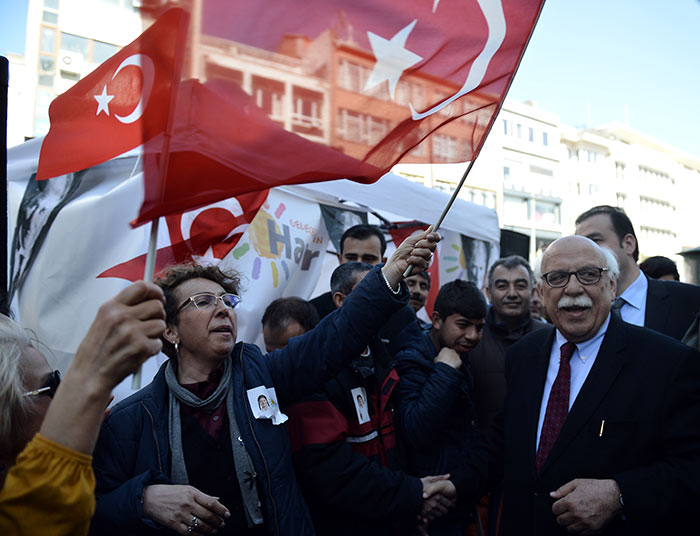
<point>536,335</point>
<point>675,288</point>
<point>646,337</point>
<point>148,394</point>
<point>535,324</point>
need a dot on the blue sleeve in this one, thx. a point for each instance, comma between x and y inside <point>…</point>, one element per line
<point>119,492</point>
<point>425,390</point>
<point>308,361</point>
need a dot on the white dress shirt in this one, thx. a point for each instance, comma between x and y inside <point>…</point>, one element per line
<point>634,309</point>
<point>581,363</point>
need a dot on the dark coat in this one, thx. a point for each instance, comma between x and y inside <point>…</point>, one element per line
<point>646,387</point>
<point>671,307</point>
<point>488,365</point>
<point>435,419</point>
<point>133,448</point>
<point>351,472</point>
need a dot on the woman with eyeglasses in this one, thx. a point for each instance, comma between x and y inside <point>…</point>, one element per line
<point>192,452</point>
<point>48,427</point>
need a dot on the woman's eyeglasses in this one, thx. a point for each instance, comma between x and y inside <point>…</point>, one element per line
<point>49,388</point>
<point>205,300</point>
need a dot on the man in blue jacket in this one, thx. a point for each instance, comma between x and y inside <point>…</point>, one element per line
<point>435,411</point>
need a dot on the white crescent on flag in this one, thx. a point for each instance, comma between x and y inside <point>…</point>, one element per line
<point>148,70</point>
<point>231,205</point>
<point>496,20</point>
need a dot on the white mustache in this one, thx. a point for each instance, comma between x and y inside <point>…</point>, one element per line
<point>578,301</point>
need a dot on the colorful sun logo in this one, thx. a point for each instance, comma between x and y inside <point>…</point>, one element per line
<point>458,260</point>
<point>268,240</point>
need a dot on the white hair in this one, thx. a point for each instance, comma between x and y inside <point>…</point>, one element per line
<point>14,406</point>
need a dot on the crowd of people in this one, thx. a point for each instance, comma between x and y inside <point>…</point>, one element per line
<point>557,399</point>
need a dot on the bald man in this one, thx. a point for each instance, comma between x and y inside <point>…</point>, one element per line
<point>599,431</point>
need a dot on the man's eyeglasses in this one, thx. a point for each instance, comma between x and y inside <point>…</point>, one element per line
<point>585,276</point>
<point>49,388</point>
<point>205,300</point>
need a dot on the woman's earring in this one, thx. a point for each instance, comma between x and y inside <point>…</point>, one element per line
<point>177,345</point>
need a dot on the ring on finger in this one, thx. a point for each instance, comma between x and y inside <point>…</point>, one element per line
<point>195,521</point>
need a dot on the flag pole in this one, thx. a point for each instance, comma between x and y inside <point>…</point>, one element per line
<point>447,208</point>
<point>148,277</point>
<point>4,83</point>
<point>149,269</point>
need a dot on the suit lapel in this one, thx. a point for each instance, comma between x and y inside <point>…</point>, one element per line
<point>658,306</point>
<point>607,366</point>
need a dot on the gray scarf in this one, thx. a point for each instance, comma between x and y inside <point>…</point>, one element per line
<point>244,466</point>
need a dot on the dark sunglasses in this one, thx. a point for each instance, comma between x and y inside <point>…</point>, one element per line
<point>49,388</point>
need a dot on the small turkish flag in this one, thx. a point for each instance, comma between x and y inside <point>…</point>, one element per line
<point>120,105</point>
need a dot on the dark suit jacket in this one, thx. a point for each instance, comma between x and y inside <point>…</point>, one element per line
<point>671,307</point>
<point>646,387</point>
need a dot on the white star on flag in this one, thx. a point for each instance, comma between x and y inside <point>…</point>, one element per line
<point>392,58</point>
<point>103,101</point>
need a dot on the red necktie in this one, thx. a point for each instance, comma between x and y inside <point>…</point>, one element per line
<point>557,406</point>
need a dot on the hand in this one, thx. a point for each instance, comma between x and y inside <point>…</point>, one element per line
<point>415,251</point>
<point>439,497</point>
<point>586,505</point>
<point>449,357</point>
<point>125,332</point>
<point>175,507</point>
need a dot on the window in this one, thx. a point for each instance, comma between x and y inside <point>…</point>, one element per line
<point>545,140</point>
<point>75,43</point>
<point>101,52</point>
<point>306,114</point>
<point>51,4</point>
<point>505,127</point>
<point>530,134</point>
<point>519,130</point>
<point>361,128</point>
<point>48,40</point>
<point>47,64</point>
<point>445,148</point>
<point>46,80</point>
<point>49,17</point>
<point>515,208</point>
<point>506,173</point>
<point>547,212</point>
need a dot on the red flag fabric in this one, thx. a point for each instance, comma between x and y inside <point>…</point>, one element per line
<point>121,104</point>
<point>222,145</point>
<point>368,79</point>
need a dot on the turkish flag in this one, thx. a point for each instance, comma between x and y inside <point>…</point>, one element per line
<point>336,89</point>
<point>121,104</point>
<point>206,235</point>
<point>373,78</point>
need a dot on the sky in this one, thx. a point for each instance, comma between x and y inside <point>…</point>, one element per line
<point>587,61</point>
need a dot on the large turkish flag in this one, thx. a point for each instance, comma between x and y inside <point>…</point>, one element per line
<point>121,104</point>
<point>335,89</point>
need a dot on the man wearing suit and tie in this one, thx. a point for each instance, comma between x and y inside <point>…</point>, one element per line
<point>600,428</point>
<point>666,306</point>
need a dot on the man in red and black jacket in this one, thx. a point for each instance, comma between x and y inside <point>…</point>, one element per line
<point>345,450</point>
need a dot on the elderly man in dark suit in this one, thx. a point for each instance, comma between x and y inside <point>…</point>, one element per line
<point>665,306</point>
<point>600,428</point>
